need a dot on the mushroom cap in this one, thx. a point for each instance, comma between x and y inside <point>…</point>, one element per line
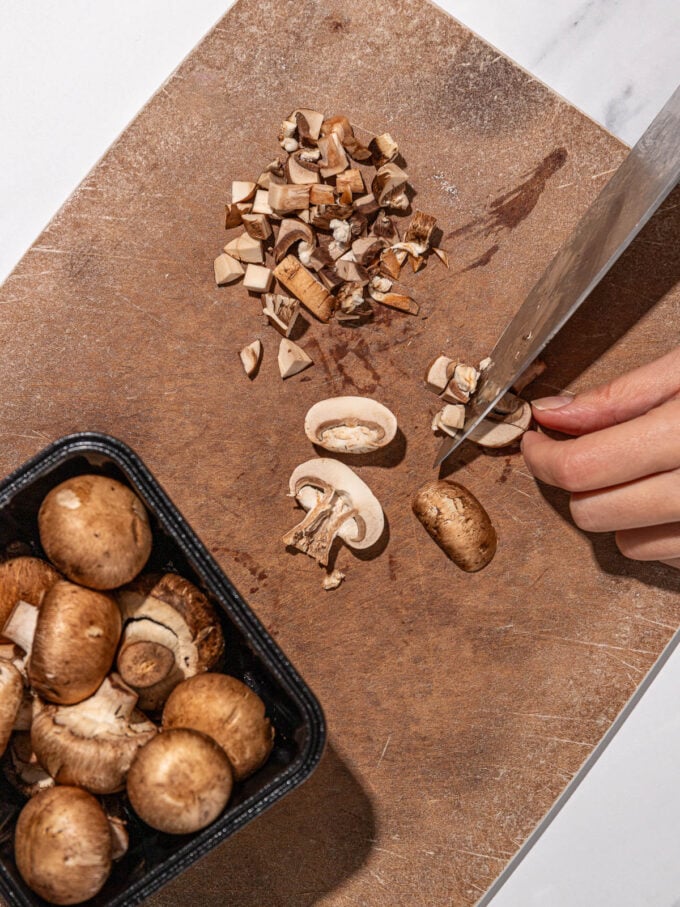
<point>75,643</point>
<point>350,424</point>
<point>63,846</point>
<point>457,522</point>
<point>228,711</point>
<point>194,629</point>
<point>91,744</point>
<point>25,578</point>
<point>11,696</point>
<point>95,530</point>
<point>22,769</point>
<point>180,781</point>
<point>311,479</point>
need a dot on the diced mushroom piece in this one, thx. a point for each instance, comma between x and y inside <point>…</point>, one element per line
<point>230,712</point>
<point>466,377</point>
<point>355,425</point>
<point>439,373</point>
<point>290,145</point>
<point>227,270</point>
<point>390,264</point>
<point>165,613</point>
<point>281,311</point>
<point>353,180</point>
<point>288,129</point>
<point>319,258</point>
<point>420,229</point>
<point>301,171</point>
<point>11,696</point>
<point>367,250</point>
<point>384,227</point>
<point>350,270</point>
<point>484,364</point>
<point>303,285</point>
<point>261,204</point>
<point>313,120</point>
<point>330,279</point>
<point>257,226</point>
<point>383,149</point>
<point>389,187</point>
<point>380,284</point>
<point>535,370</point>
<point>442,255</point>
<point>494,434</point>
<point>305,252</point>
<point>232,216</point>
<point>321,194</point>
<point>246,249</point>
<point>242,191</point>
<point>333,157</point>
<point>292,230</point>
<point>341,126</point>
<point>449,419</point>
<point>350,297</point>
<point>250,357</point>
<point>508,404</point>
<point>366,206</point>
<point>289,197</point>
<point>91,744</point>
<point>292,358</point>
<point>310,155</point>
<point>338,504</point>
<point>397,301</point>
<point>332,580</point>
<point>322,215</point>
<point>258,279</point>
<point>342,235</point>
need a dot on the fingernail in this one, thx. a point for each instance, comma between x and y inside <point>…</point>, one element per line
<point>544,403</point>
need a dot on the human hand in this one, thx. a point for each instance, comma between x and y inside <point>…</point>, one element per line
<point>623,471</point>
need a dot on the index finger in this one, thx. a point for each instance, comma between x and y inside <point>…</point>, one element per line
<point>620,453</point>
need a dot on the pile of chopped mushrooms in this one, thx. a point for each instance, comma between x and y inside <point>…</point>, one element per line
<point>96,659</point>
<point>321,223</point>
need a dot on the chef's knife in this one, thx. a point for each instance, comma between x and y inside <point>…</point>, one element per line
<point>632,195</point>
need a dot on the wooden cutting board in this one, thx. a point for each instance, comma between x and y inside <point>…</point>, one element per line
<point>458,706</point>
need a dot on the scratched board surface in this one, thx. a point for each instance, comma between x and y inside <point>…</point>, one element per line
<point>459,706</point>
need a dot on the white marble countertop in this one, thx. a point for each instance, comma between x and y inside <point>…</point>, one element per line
<point>73,74</point>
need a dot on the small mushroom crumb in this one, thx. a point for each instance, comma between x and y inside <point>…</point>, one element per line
<point>332,580</point>
<point>250,357</point>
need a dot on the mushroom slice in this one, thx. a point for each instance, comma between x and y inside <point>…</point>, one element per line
<point>91,744</point>
<point>420,229</point>
<point>535,370</point>
<point>165,613</point>
<point>250,357</point>
<point>338,504</point>
<point>302,284</point>
<point>389,187</point>
<point>501,434</point>
<point>228,711</point>
<point>62,845</point>
<point>204,774</point>
<point>292,358</point>
<point>11,697</point>
<point>333,157</point>
<point>355,425</point>
<point>227,269</point>
<point>291,231</point>
<point>281,312</point>
<point>396,301</point>
<point>383,149</point>
<point>439,373</point>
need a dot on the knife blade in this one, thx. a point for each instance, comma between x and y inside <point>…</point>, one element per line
<point>623,207</point>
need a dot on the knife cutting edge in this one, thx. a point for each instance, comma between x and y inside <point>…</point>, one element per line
<point>623,207</point>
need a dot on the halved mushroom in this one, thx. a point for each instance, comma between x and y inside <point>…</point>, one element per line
<point>95,530</point>
<point>302,284</point>
<point>493,434</point>
<point>350,425</point>
<point>338,504</point>
<point>292,358</point>
<point>71,641</point>
<point>281,311</point>
<point>205,781</point>
<point>292,230</point>
<point>63,846</point>
<point>25,578</point>
<point>228,711</point>
<point>389,187</point>
<point>91,744</point>
<point>171,632</point>
<point>11,696</point>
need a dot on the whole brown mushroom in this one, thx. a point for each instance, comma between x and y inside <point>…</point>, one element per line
<point>179,782</point>
<point>63,845</point>
<point>95,530</point>
<point>229,712</point>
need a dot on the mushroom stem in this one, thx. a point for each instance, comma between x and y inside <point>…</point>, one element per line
<point>21,624</point>
<point>315,534</point>
<point>148,653</point>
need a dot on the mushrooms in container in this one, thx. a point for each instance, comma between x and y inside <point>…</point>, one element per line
<point>338,504</point>
<point>457,522</point>
<point>228,711</point>
<point>171,632</point>
<point>95,530</point>
<point>63,845</point>
<point>350,425</point>
<point>28,579</point>
<point>91,744</point>
<point>180,781</point>
<point>11,696</point>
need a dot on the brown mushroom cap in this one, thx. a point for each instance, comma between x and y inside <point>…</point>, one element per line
<point>11,695</point>
<point>229,712</point>
<point>457,522</point>
<point>75,643</point>
<point>25,578</point>
<point>180,781</point>
<point>95,530</point>
<point>63,845</point>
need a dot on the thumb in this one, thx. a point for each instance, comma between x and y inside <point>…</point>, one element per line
<point>624,398</point>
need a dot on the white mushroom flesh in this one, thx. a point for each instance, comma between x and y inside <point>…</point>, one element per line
<point>350,425</point>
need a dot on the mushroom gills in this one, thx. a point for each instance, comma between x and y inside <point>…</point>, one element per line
<point>324,520</point>
<point>355,425</point>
